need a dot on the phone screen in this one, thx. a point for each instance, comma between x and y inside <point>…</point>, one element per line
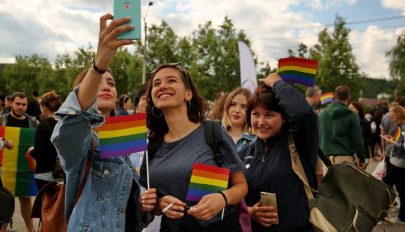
<point>132,9</point>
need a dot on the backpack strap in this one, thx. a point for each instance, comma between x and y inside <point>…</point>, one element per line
<point>297,166</point>
<point>213,136</point>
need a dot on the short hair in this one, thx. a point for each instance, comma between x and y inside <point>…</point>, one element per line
<point>398,110</point>
<point>312,91</point>
<point>265,97</point>
<point>17,94</point>
<point>35,93</point>
<point>342,93</point>
<point>51,101</point>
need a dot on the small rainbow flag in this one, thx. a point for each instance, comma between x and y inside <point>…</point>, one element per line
<point>327,98</point>
<point>398,137</point>
<point>298,70</point>
<point>18,169</point>
<point>123,135</point>
<point>206,179</point>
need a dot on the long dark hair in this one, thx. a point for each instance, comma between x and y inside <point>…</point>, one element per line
<point>156,122</point>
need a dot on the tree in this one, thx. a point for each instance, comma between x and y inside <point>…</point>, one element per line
<point>396,57</point>
<point>23,75</point>
<point>337,64</point>
<point>217,53</point>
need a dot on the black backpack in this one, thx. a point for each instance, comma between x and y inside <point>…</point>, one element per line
<point>213,137</point>
<point>7,205</point>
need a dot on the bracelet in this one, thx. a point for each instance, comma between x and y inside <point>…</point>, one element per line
<point>99,70</point>
<point>224,196</point>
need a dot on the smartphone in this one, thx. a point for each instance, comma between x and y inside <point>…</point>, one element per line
<point>132,9</point>
<point>269,199</point>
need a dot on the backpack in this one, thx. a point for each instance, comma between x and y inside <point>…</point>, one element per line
<point>349,199</point>
<point>7,205</point>
<point>213,137</point>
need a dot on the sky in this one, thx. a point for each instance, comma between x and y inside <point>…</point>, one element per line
<point>51,27</point>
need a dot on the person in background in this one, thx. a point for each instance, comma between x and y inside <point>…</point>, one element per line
<point>124,104</point>
<point>7,105</point>
<point>357,108</point>
<point>313,96</point>
<point>33,108</point>
<point>396,167</point>
<point>44,152</point>
<point>344,139</point>
<point>175,119</point>
<point>234,117</point>
<point>277,111</point>
<point>141,99</point>
<point>4,143</point>
<point>18,118</point>
<point>111,198</point>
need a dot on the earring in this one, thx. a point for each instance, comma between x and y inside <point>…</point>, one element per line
<point>154,114</point>
<point>188,105</point>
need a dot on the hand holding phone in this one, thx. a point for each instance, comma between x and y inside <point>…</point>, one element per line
<point>132,9</point>
<point>269,199</point>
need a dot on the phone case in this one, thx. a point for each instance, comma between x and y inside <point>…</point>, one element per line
<point>269,199</point>
<point>129,8</point>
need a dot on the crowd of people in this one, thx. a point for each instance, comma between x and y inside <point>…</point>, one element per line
<point>256,130</point>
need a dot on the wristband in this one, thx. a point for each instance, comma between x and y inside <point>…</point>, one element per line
<point>223,195</point>
<point>99,70</point>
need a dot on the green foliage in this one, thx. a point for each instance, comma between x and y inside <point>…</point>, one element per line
<point>337,64</point>
<point>396,56</point>
<point>373,87</point>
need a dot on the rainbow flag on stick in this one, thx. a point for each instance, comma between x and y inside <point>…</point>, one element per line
<point>206,179</point>
<point>327,98</point>
<point>17,168</point>
<point>298,70</point>
<point>398,137</point>
<point>123,135</point>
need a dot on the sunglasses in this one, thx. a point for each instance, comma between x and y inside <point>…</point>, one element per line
<point>179,66</point>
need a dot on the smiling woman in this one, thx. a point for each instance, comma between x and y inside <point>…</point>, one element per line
<point>92,99</point>
<point>175,117</point>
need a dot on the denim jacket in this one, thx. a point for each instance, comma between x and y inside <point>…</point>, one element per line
<point>103,202</point>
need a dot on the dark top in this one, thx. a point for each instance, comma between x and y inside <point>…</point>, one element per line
<point>272,171</point>
<point>33,108</point>
<point>122,111</point>
<point>171,167</point>
<point>44,152</point>
<point>21,123</point>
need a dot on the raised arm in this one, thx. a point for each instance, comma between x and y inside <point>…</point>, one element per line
<point>107,47</point>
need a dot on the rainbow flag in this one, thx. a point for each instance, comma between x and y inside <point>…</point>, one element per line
<point>206,179</point>
<point>298,70</point>
<point>327,98</point>
<point>398,137</point>
<point>123,135</point>
<point>17,168</point>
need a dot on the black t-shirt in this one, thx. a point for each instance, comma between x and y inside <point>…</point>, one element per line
<point>22,123</point>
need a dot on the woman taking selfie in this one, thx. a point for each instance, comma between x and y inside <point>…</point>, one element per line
<point>110,197</point>
<point>276,111</point>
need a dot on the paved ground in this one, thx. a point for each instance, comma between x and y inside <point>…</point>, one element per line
<point>20,227</point>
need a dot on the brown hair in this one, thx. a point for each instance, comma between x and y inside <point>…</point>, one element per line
<point>265,97</point>
<point>17,94</point>
<point>51,101</point>
<point>342,93</point>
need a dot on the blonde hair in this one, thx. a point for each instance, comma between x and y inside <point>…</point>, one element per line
<point>226,122</point>
<point>398,110</point>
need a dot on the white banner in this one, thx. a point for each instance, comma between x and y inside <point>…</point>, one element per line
<point>248,77</point>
